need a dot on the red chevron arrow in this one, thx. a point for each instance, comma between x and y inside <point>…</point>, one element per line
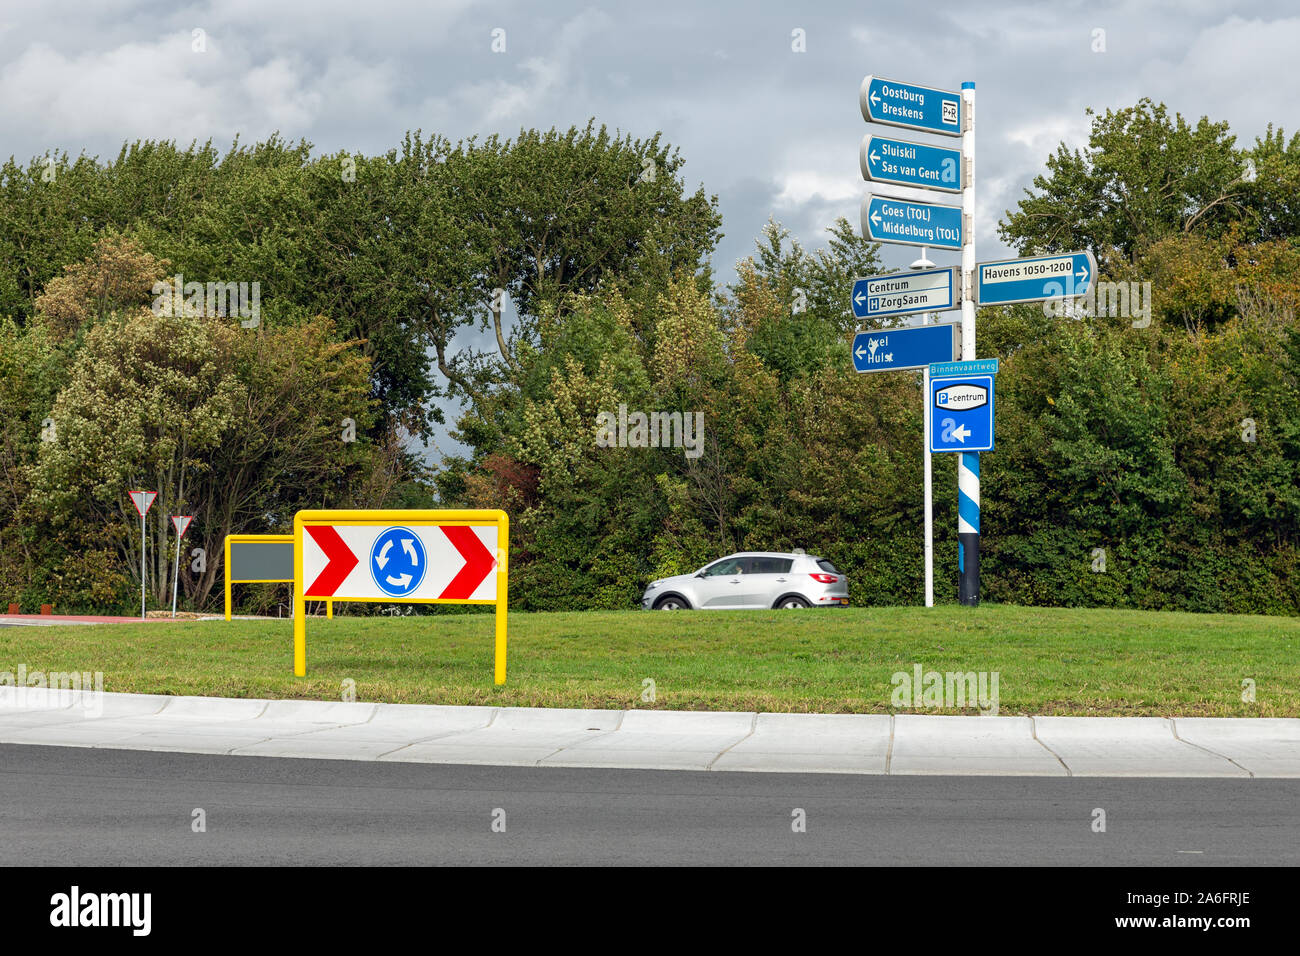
<point>339,560</point>
<point>479,561</point>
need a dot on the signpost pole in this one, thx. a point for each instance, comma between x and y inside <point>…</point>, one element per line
<point>180,523</point>
<point>926,461</point>
<point>929,493</point>
<point>142,566</point>
<point>176,576</point>
<point>968,465</point>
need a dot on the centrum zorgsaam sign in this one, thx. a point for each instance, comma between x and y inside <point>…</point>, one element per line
<point>408,556</point>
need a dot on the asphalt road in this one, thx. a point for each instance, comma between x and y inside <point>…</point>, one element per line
<point>71,806</point>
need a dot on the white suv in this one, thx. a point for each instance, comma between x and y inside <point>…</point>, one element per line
<point>752,579</point>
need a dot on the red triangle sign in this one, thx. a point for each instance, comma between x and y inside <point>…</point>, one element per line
<point>143,501</point>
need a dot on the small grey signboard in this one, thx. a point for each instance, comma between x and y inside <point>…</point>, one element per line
<point>261,561</point>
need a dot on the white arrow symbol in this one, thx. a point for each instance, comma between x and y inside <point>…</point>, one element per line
<point>961,433</point>
<point>401,581</point>
<point>858,353</point>
<point>383,554</point>
<point>408,545</point>
<point>875,217</point>
<point>1084,273</point>
<point>875,157</point>
<point>874,98</point>
<point>858,298</point>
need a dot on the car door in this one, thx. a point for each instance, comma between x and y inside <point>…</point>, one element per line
<point>769,579</point>
<point>721,584</point>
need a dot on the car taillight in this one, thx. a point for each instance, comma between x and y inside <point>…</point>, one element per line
<point>825,578</point>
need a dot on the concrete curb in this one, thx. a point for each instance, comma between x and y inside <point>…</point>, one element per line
<point>658,739</point>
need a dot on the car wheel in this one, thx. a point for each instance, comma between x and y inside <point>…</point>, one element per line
<point>671,603</point>
<point>793,602</point>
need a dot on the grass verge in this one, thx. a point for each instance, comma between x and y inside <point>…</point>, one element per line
<point>1049,660</point>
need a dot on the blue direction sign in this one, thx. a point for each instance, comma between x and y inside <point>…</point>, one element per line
<point>1034,279</point>
<point>961,411</point>
<point>914,346</point>
<point>905,293</point>
<point>910,106</point>
<point>911,223</point>
<point>886,160</point>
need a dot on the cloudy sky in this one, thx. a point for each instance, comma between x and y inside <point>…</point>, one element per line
<point>772,131</point>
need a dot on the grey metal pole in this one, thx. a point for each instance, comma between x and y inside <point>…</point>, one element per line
<point>142,567</point>
<point>176,576</point>
<point>927,466</point>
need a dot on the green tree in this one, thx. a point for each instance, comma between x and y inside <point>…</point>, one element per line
<point>1144,177</point>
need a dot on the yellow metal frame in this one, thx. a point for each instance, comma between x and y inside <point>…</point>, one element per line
<point>478,517</point>
<point>252,539</point>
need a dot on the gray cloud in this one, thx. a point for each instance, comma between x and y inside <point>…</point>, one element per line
<point>771,131</point>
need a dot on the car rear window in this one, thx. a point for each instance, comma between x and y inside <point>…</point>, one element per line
<point>770,565</point>
<point>826,566</point>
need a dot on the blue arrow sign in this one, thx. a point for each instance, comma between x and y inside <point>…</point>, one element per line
<point>1034,279</point>
<point>961,413</point>
<point>910,106</point>
<point>915,346</point>
<point>885,160</point>
<point>904,293</point>
<point>397,561</point>
<point>911,223</point>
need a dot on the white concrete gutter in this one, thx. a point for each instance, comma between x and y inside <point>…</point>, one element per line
<point>658,739</point>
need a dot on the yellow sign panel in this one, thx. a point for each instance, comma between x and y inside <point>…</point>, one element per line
<point>402,556</point>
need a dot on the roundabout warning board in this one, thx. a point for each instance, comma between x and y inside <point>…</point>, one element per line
<point>419,557</point>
